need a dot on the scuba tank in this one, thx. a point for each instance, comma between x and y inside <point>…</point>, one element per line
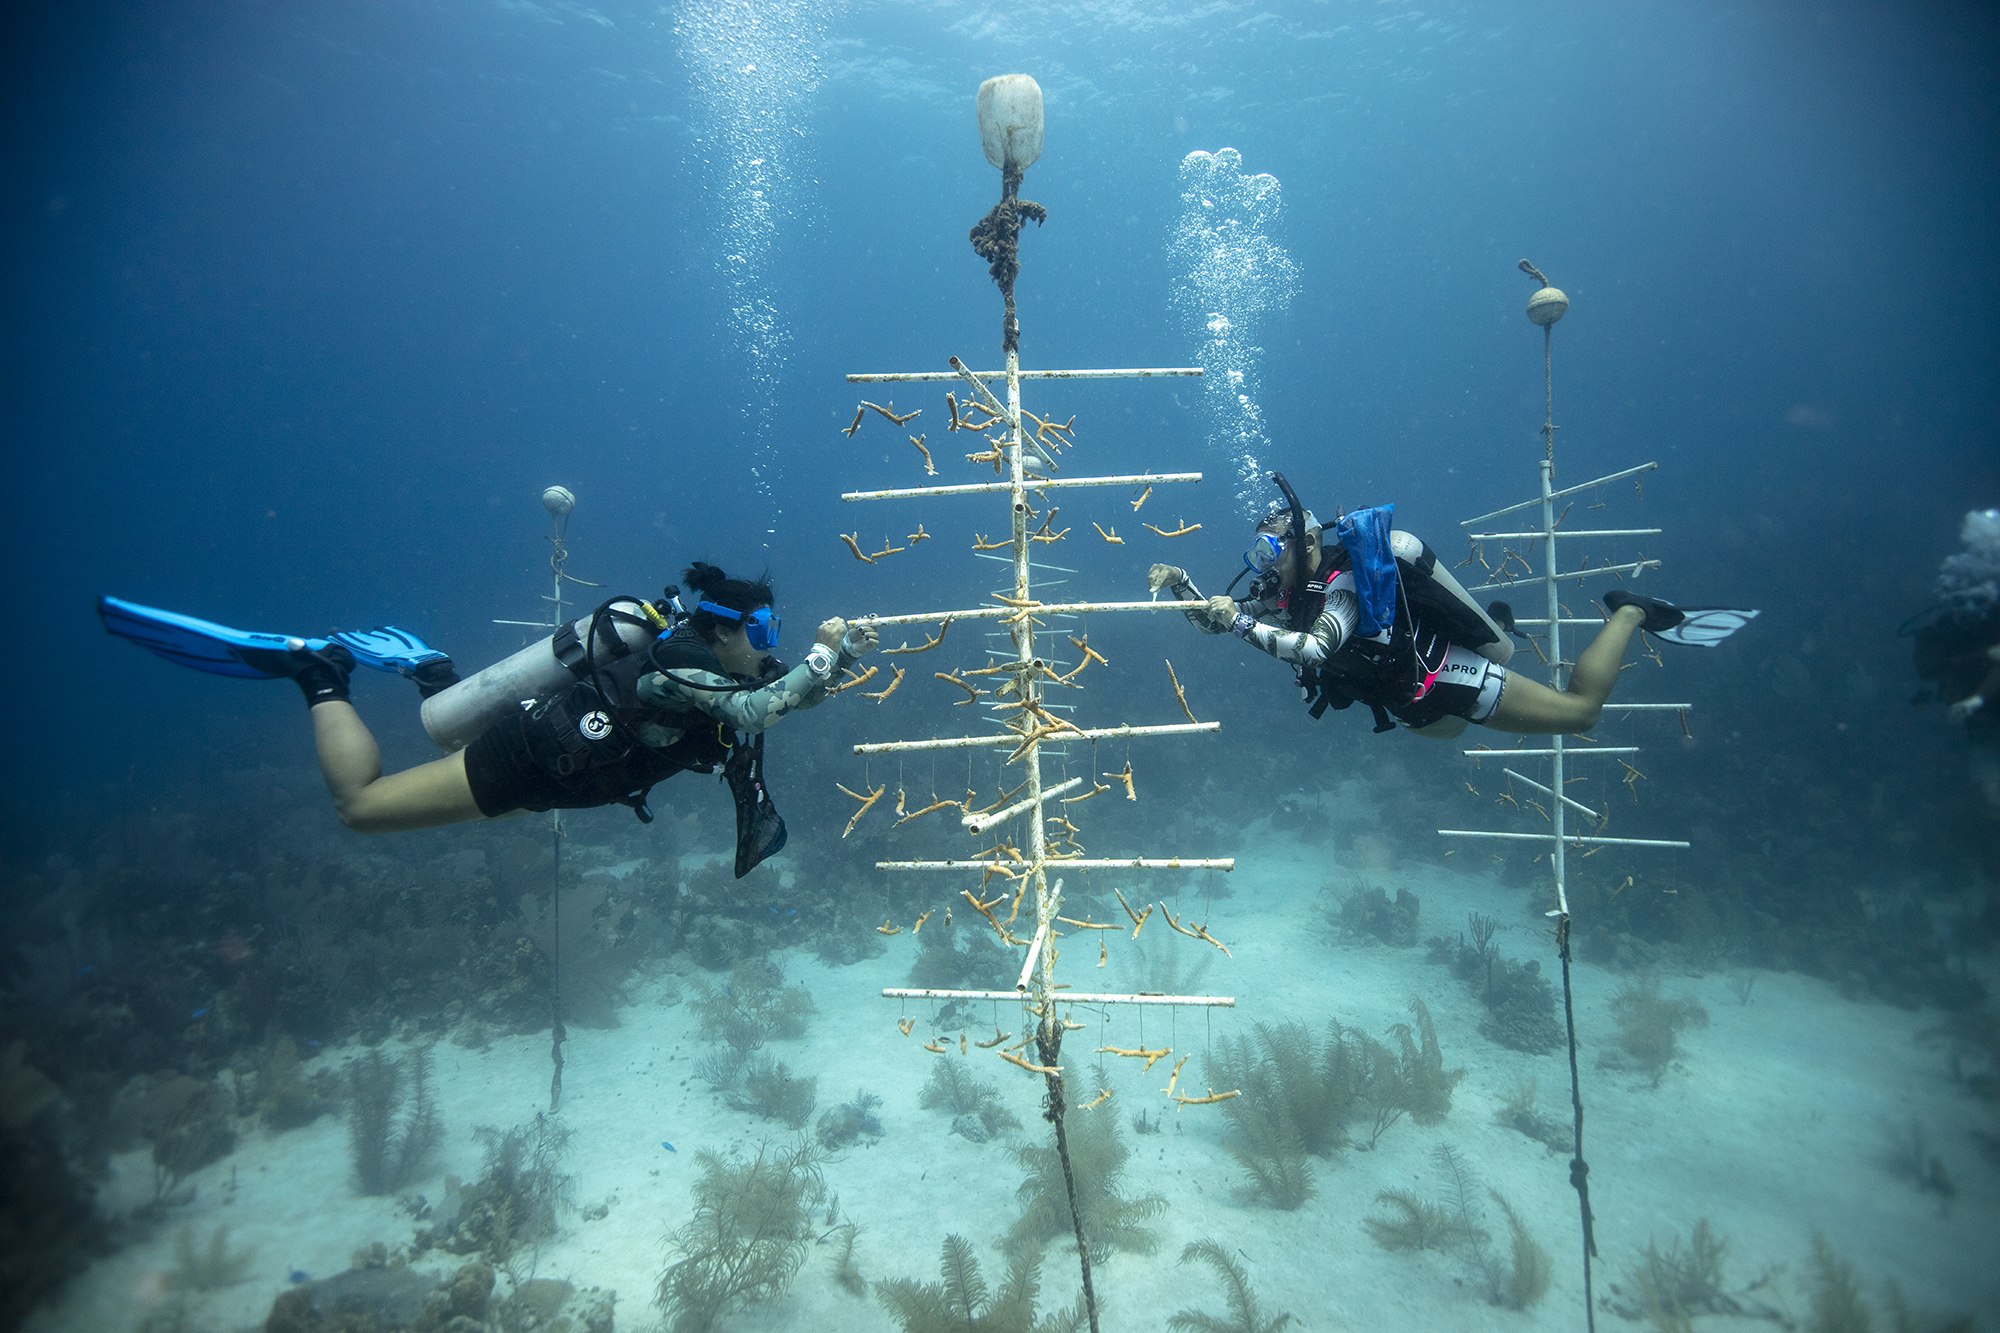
<point>455,717</point>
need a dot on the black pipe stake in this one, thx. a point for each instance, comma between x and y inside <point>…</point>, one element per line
<point>1048,1043</point>
<point>557,1033</point>
<point>1579,1170</point>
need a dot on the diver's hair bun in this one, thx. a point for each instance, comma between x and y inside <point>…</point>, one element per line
<point>703,577</point>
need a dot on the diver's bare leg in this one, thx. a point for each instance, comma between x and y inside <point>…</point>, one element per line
<point>421,797</point>
<point>1530,708</point>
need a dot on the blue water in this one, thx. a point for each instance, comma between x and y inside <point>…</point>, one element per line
<point>309,302</point>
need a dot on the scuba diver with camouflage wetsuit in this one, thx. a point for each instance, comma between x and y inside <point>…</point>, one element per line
<point>1376,621</point>
<point>645,691</point>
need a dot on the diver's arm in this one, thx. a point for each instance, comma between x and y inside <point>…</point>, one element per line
<point>804,686</point>
<point>849,643</point>
<point>1312,647</point>
<point>740,709</point>
<point>1206,614</point>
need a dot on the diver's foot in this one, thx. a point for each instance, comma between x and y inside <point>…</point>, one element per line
<point>1503,616</point>
<point>1660,616</point>
<point>434,676</point>
<point>321,673</point>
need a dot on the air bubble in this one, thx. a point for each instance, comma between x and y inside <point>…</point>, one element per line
<point>1232,274</point>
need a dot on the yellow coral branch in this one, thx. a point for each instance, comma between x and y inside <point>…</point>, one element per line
<point>879,695</point>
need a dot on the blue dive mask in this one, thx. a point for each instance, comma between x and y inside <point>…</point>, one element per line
<point>1264,551</point>
<point>760,626</point>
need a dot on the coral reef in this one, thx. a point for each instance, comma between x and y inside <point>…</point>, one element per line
<point>849,1121</point>
<point>844,1272</point>
<point>1427,1084</point>
<point>518,1199</point>
<point>388,1153</point>
<point>1835,1292</point>
<point>184,1119</point>
<point>1907,1155</point>
<point>1517,1112</point>
<point>1297,1095</point>
<point>1520,1282</point>
<point>286,1098</point>
<point>1520,1003</point>
<point>1098,1154</point>
<point>1172,964</point>
<point>1649,1026</point>
<point>1516,1279</point>
<point>748,1236</point>
<point>971,1101</point>
<point>1366,913</point>
<point>1243,1315</point>
<point>960,1302</point>
<point>1670,1287</point>
<point>753,1007</point>
<point>599,937</point>
<point>769,1090</point>
<point>207,1267</point>
<point>957,957</point>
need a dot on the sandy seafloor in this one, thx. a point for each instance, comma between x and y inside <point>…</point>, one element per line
<point>1773,1125</point>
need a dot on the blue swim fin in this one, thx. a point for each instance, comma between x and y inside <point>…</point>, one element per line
<point>202,644</point>
<point>387,648</point>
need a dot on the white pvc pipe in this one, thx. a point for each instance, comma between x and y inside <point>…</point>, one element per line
<point>1595,749</point>
<point>1567,575</point>
<point>1568,841</point>
<point>1034,956</point>
<point>1585,532</point>
<point>1078,863</point>
<point>1575,805</point>
<point>1045,484</point>
<point>980,823</point>
<point>1557,495</point>
<point>1063,997</point>
<point>995,612</point>
<point>945,376</point>
<point>1100,733</point>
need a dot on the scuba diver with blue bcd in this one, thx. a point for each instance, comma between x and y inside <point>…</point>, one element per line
<point>595,714</point>
<point>1372,618</point>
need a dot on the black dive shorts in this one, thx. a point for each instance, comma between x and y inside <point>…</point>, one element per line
<point>504,776</point>
<point>1466,686</point>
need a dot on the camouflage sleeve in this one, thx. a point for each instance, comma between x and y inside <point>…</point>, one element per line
<point>1329,630</point>
<point>743,710</point>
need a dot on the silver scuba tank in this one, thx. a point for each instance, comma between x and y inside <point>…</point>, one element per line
<point>455,717</point>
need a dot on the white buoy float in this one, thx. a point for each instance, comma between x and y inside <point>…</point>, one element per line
<point>1010,121</point>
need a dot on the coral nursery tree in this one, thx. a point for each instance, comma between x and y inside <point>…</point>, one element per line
<point>1023,451</point>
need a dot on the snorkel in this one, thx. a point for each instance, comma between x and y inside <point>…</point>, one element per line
<point>1296,608</point>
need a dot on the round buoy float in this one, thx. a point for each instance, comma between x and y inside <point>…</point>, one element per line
<point>1546,306</point>
<point>558,500</point>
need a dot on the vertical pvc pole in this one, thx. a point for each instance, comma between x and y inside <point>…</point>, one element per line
<point>1030,689</point>
<point>1556,861</point>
